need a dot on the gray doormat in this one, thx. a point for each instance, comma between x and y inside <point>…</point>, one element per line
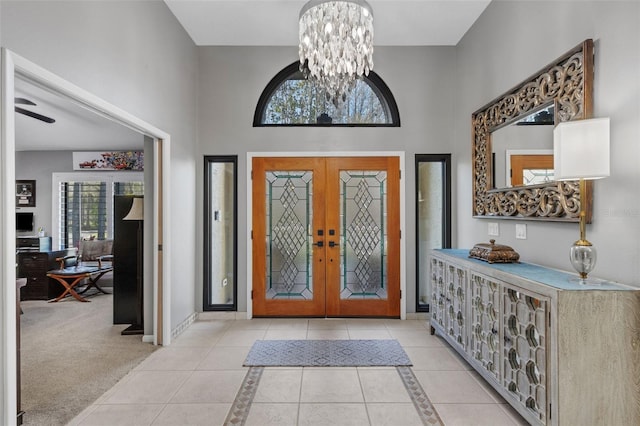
<point>326,353</point>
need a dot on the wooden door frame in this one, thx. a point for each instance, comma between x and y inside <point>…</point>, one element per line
<point>520,163</point>
<point>399,154</point>
<point>14,65</point>
<point>517,152</point>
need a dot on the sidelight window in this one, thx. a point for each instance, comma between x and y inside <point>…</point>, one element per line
<point>433,217</point>
<point>220,233</point>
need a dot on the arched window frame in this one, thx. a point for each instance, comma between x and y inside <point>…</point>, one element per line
<point>375,82</point>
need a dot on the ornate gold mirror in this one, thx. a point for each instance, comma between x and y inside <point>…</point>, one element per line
<point>563,89</point>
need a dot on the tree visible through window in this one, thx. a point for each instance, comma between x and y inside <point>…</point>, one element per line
<point>291,99</point>
<point>86,212</point>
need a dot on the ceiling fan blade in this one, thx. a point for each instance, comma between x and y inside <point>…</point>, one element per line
<point>23,101</point>
<point>35,115</point>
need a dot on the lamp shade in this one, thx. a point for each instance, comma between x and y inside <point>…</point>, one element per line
<point>137,210</point>
<point>581,149</point>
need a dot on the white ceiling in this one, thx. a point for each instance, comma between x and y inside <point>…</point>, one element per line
<point>238,23</point>
<point>76,128</point>
<point>275,22</point>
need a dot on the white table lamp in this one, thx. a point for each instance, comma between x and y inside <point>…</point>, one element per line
<point>581,152</point>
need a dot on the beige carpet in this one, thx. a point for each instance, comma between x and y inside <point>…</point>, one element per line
<point>71,354</point>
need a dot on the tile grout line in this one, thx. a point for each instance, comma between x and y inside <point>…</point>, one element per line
<point>239,410</point>
<point>425,408</point>
<point>300,396</point>
<point>364,399</point>
<point>300,390</point>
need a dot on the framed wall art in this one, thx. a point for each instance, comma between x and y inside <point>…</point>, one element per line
<point>111,160</point>
<point>25,193</point>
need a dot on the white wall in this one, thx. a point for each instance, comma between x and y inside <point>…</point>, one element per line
<point>508,43</point>
<point>232,79</point>
<point>135,55</point>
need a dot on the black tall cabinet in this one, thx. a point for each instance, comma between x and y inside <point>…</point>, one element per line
<point>127,266</point>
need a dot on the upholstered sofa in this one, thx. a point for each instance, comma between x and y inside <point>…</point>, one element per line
<point>95,252</point>
<point>90,253</point>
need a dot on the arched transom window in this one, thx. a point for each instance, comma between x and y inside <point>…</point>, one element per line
<point>292,100</point>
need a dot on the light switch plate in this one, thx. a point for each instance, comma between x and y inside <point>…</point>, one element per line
<point>493,229</point>
<point>521,231</point>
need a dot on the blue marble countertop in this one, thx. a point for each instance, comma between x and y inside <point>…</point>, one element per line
<point>548,276</point>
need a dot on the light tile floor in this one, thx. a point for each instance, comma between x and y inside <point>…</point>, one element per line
<point>195,380</point>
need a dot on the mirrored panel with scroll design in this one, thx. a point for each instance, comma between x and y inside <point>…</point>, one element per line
<point>513,143</point>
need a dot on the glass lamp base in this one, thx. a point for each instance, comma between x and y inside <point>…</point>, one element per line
<point>594,282</point>
<point>583,258</point>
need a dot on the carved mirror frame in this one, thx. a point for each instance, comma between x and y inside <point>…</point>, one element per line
<point>567,83</point>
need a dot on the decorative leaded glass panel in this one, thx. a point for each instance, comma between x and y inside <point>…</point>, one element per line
<point>363,233</point>
<point>536,176</point>
<point>289,217</point>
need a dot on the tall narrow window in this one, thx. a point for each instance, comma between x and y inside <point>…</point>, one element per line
<point>433,217</point>
<point>86,211</point>
<point>220,233</point>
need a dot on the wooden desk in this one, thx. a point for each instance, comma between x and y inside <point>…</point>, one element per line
<point>33,265</point>
<point>70,277</point>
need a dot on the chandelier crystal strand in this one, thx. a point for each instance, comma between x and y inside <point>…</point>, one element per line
<point>336,44</point>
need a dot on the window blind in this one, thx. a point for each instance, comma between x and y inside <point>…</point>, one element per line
<point>86,209</point>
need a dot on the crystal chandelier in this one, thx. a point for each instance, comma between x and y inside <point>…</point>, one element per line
<point>336,43</point>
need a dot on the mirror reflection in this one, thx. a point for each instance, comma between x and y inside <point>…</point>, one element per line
<point>522,152</point>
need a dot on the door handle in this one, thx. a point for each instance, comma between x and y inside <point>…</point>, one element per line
<point>319,244</point>
<point>332,243</point>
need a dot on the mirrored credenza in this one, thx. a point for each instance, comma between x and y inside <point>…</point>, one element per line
<point>559,351</point>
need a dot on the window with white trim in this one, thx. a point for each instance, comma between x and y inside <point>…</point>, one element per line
<point>83,207</point>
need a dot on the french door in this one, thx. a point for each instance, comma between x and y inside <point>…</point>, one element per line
<point>326,236</point>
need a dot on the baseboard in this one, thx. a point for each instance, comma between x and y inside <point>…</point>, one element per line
<point>180,328</point>
<point>147,338</point>
<point>231,316</point>
<point>418,316</point>
<point>219,315</point>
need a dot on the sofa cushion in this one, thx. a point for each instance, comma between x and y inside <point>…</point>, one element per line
<point>92,249</point>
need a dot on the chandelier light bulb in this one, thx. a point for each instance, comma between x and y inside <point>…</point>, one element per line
<point>336,44</point>
<point>328,28</point>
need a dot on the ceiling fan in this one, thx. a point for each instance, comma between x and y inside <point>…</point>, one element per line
<point>23,101</point>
